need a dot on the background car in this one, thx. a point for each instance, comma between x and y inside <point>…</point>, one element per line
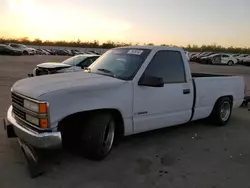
<point>220,58</point>
<point>205,54</point>
<point>246,61</point>
<point>76,52</point>
<point>92,52</point>
<point>61,52</point>
<point>187,55</point>
<point>25,50</point>
<point>40,52</point>
<point>51,51</point>
<point>241,58</point>
<point>7,50</point>
<point>196,56</point>
<point>72,64</point>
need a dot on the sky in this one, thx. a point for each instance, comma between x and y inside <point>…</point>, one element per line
<point>178,22</point>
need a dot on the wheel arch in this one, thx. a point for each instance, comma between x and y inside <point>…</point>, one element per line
<point>225,96</point>
<point>72,118</point>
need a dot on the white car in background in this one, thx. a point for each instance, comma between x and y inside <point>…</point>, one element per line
<point>187,55</point>
<point>26,50</point>
<point>220,58</point>
<point>242,57</point>
<point>246,61</point>
<point>73,64</point>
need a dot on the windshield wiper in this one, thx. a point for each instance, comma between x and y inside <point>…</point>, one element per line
<point>107,71</point>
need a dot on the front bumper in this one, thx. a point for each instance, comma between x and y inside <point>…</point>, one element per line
<point>46,140</point>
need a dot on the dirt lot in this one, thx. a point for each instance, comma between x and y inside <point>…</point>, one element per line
<point>192,156</point>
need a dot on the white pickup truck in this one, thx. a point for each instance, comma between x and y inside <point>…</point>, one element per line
<point>128,90</point>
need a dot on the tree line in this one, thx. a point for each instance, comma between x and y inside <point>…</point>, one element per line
<point>111,44</point>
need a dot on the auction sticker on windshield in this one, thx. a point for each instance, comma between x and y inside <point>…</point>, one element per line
<point>135,52</point>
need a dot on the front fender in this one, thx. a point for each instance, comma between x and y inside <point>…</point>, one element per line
<point>63,103</point>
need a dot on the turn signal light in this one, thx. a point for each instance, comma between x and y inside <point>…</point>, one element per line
<point>42,108</point>
<point>44,123</point>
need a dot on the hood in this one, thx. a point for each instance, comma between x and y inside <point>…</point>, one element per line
<point>34,87</point>
<point>16,49</point>
<point>51,65</point>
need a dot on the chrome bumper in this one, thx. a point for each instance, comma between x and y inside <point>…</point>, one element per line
<point>45,140</point>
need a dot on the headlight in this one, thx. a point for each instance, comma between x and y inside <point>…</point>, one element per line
<point>35,107</point>
<point>31,105</point>
<point>32,119</point>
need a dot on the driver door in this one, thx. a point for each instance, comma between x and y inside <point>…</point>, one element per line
<point>224,59</point>
<point>157,107</point>
<point>216,59</point>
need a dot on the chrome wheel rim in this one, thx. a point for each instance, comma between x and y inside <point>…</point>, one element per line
<point>225,111</point>
<point>108,137</point>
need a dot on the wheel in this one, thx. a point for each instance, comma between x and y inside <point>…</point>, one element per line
<point>25,53</point>
<point>97,136</point>
<point>212,61</point>
<point>222,111</point>
<point>230,63</point>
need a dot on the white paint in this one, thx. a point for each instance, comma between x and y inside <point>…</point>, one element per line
<point>209,89</point>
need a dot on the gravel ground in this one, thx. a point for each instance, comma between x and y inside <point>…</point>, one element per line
<point>193,155</point>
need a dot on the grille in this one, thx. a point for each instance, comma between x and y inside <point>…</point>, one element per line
<point>18,113</point>
<point>17,99</point>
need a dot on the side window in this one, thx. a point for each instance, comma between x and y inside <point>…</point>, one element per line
<point>87,62</point>
<point>167,65</point>
<point>14,45</point>
<point>225,56</point>
<point>217,56</point>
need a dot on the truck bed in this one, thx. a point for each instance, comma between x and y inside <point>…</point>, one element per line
<point>209,88</point>
<point>198,75</point>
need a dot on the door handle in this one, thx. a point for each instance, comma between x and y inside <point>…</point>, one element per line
<point>186,91</point>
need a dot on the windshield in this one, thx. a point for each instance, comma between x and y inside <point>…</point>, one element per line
<point>212,55</point>
<point>74,60</point>
<point>22,46</point>
<point>122,63</point>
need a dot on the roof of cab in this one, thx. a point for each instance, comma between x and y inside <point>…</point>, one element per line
<point>87,55</point>
<point>154,47</point>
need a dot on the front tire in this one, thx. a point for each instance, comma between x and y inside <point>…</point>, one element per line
<point>230,63</point>
<point>97,136</point>
<point>25,53</point>
<point>222,111</point>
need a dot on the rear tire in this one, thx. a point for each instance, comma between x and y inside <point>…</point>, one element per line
<point>97,136</point>
<point>221,112</point>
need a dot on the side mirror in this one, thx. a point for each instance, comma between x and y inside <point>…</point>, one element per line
<point>151,81</point>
